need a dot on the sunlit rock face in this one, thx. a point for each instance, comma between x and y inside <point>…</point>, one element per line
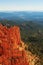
<point>10,42</point>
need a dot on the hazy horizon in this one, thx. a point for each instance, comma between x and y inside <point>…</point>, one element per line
<point>21,5</point>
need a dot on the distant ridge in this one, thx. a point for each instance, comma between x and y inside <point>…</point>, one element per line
<point>22,16</point>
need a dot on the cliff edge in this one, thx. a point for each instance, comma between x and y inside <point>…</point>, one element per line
<point>11,51</point>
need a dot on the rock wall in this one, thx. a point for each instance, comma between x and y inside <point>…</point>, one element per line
<point>10,41</point>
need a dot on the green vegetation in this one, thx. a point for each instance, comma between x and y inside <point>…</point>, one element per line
<point>32,34</point>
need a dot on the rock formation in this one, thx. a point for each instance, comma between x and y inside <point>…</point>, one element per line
<point>11,52</point>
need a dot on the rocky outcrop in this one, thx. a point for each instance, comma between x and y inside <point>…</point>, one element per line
<point>33,59</point>
<point>11,51</point>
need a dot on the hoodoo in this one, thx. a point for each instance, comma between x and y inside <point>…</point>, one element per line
<point>10,42</point>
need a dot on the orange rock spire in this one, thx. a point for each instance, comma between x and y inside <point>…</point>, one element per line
<point>9,42</point>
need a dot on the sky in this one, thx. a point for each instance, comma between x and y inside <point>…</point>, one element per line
<point>21,5</point>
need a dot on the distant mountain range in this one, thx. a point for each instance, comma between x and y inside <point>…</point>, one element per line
<point>23,16</point>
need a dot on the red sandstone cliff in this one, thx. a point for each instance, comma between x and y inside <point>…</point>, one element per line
<point>10,41</point>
